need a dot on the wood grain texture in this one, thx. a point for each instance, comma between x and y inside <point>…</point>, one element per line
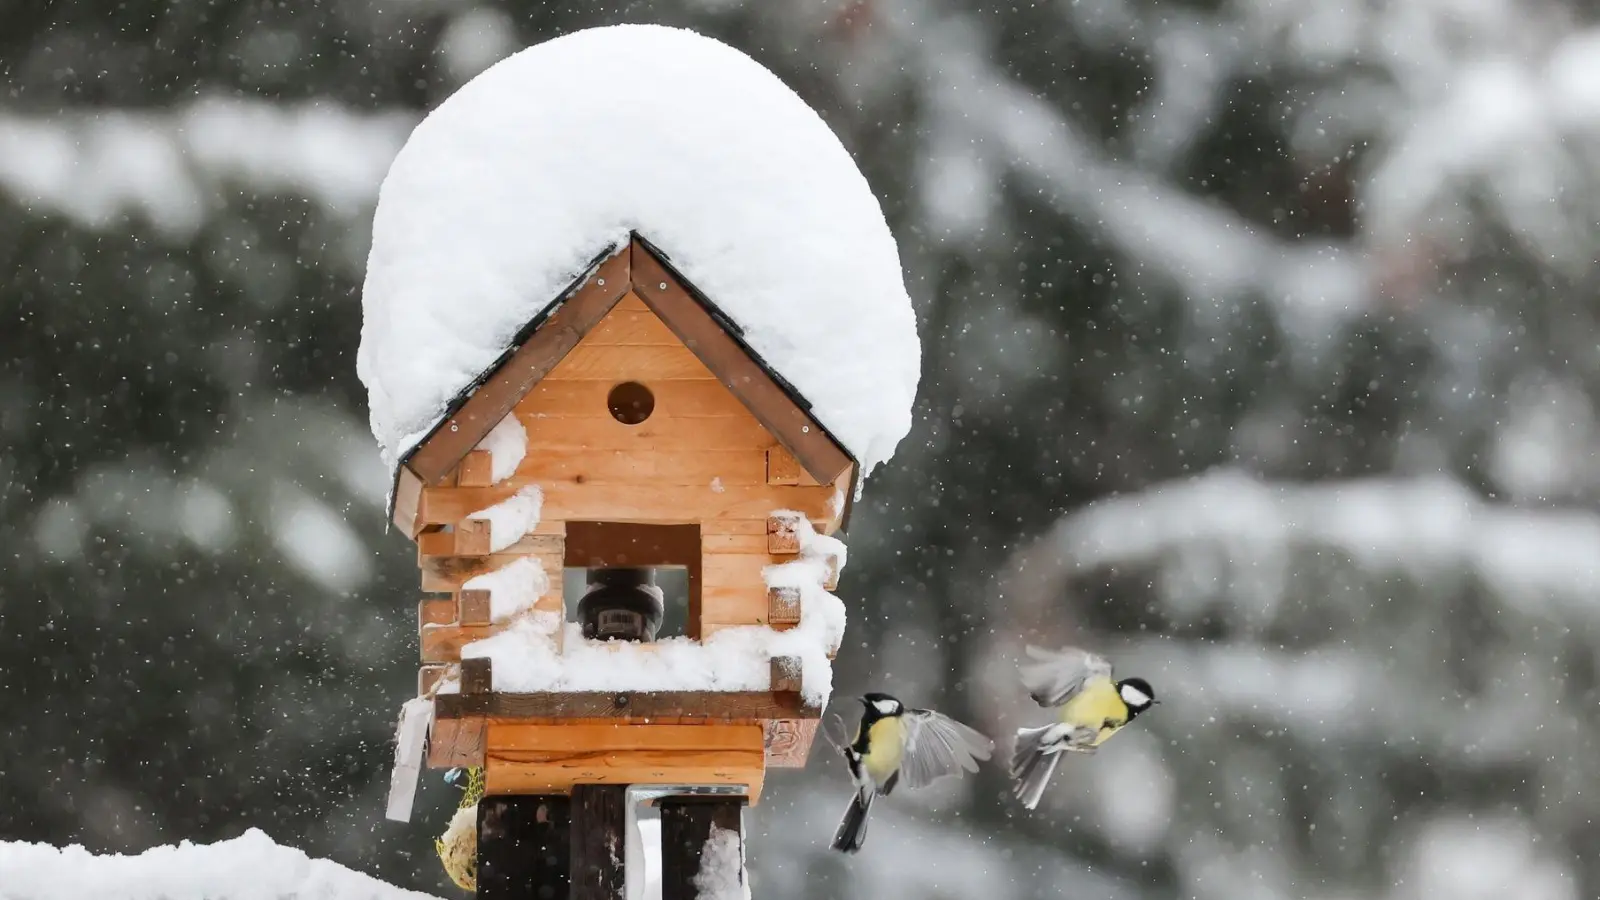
<point>472,608</point>
<point>500,389</point>
<point>783,607</point>
<point>448,574</point>
<point>734,605</point>
<point>666,504</point>
<point>694,325</point>
<point>686,825</point>
<point>477,676</point>
<point>788,742</point>
<point>505,777</point>
<point>739,570</point>
<point>585,398</point>
<point>407,497</point>
<point>435,611</point>
<point>629,708</point>
<point>649,364</point>
<point>556,757</point>
<point>783,468</point>
<point>524,849</point>
<point>632,325</point>
<point>741,467</point>
<point>456,741</point>
<point>787,674</point>
<point>476,469</point>
<point>599,836</point>
<point>566,739</point>
<point>783,535</point>
<point>443,643</point>
<point>470,537</point>
<point>734,544</point>
<point>659,432</point>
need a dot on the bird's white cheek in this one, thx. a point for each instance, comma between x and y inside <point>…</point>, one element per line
<point>1134,697</point>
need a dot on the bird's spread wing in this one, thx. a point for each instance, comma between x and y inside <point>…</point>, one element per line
<point>833,728</point>
<point>1053,676</point>
<point>937,745</point>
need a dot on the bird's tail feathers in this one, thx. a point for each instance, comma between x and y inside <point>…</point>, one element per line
<point>852,831</point>
<point>1032,764</point>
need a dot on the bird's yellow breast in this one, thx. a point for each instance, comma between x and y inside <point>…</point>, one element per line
<point>1097,706</point>
<point>884,747</point>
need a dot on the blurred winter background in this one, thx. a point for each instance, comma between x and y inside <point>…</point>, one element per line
<point>1261,347</point>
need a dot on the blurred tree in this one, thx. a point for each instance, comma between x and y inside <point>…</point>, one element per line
<point>1334,263</point>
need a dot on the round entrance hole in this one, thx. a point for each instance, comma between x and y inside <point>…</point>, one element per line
<point>631,402</point>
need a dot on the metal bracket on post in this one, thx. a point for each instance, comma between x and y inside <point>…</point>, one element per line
<point>687,825</point>
<point>650,794</point>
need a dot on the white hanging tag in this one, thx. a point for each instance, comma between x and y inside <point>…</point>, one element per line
<point>416,715</point>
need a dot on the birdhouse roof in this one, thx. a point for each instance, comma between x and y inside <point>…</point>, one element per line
<point>493,215</point>
<point>639,268</point>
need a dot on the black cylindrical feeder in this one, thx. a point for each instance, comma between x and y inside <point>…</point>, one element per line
<point>622,604</point>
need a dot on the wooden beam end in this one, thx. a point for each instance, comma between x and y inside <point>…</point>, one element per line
<point>477,676</point>
<point>786,674</point>
<point>783,606</point>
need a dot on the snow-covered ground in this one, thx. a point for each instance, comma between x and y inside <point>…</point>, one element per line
<point>248,867</point>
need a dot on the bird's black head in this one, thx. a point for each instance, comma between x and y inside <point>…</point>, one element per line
<point>1137,693</point>
<point>457,778</point>
<point>879,706</point>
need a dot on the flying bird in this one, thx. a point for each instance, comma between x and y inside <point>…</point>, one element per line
<point>895,745</point>
<point>1092,707</point>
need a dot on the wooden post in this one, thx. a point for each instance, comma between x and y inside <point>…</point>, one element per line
<point>523,848</point>
<point>599,841</point>
<point>686,824</point>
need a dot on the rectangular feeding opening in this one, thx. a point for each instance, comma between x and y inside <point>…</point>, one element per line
<point>616,557</point>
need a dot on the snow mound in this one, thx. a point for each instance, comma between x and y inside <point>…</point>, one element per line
<point>506,193</point>
<point>248,867</point>
<point>721,875</point>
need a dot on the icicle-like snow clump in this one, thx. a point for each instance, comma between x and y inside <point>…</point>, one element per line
<point>509,189</point>
<point>248,867</point>
<point>512,518</point>
<point>525,657</point>
<point>512,588</point>
<point>722,875</point>
<point>507,444</point>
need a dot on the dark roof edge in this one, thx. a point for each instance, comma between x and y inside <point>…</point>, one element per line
<point>521,337</point>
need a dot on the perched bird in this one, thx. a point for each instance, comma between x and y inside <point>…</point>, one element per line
<point>895,745</point>
<point>1093,707</point>
<point>458,848</point>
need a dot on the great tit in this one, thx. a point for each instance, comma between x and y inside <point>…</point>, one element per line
<point>1093,707</point>
<point>895,745</point>
<point>458,848</point>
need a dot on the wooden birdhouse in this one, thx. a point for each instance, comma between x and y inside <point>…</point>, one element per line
<point>626,432</point>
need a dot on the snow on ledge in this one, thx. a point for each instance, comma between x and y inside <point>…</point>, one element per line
<point>511,519</point>
<point>525,657</point>
<point>511,187</point>
<point>721,875</point>
<point>507,444</point>
<point>248,867</point>
<point>513,589</point>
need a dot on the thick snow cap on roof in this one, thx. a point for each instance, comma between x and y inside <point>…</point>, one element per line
<point>507,191</point>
